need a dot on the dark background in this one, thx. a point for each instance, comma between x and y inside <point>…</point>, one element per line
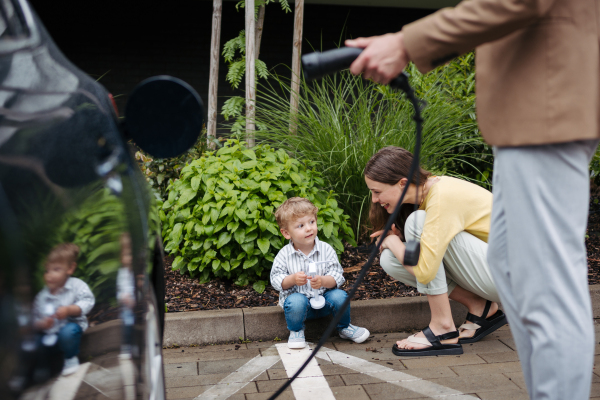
<point>124,42</point>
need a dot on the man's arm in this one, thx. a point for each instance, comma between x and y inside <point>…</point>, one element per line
<point>444,35</point>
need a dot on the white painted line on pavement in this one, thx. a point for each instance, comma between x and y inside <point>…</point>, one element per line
<point>238,379</point>
<point>66,387</point>
<point>390,375</point>
<point>310,384</point>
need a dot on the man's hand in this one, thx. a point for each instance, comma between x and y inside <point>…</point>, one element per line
<point>316,282</point>
<point>382,59</point>
<point>300,278</point>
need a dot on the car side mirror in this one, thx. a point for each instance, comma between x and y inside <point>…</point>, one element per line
<point>164,116</point>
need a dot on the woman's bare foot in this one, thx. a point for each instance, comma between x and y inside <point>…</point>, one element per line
<point>477,310</point>
<point>406,344</point>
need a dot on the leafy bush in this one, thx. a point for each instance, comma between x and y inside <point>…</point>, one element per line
<point>219,217</point>
<point>343,120</point>
<point>161,172</point>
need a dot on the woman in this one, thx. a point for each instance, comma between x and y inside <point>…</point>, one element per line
<point>452,224</point>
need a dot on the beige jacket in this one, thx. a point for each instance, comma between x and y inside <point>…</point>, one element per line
<point>537,65</point>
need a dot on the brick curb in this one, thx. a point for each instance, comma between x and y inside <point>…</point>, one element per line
<point>267,323</point>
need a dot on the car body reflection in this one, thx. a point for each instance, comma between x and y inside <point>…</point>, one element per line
<point>69,185</point>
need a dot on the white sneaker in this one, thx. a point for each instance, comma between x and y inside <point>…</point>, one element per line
<point>70,366</point>
<point>296,340</point>
<point>355,333</point>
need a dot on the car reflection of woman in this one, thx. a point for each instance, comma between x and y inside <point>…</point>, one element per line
<point>452,224</point>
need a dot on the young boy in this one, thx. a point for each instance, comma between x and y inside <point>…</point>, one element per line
<point>297,220</point>
<point>60,308</point>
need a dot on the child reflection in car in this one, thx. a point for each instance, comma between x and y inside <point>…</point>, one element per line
<point>60,308</point>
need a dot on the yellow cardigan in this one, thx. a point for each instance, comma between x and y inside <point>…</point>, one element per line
<point>452,206</point>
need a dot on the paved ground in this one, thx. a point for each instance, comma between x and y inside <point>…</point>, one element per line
<point>487,370</point>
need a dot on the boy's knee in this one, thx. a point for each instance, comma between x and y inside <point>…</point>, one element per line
<point>337,296</point>
<point>295,302</point>
<point>69,331</point>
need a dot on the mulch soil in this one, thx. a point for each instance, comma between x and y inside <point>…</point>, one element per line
<point>186,294</point>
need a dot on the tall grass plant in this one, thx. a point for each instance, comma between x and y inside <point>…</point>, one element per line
<point>343,120</point>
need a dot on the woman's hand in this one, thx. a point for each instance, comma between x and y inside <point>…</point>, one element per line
<point>392,232</point>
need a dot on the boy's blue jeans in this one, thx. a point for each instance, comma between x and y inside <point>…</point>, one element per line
<point>69,338</point>
<point>297,309</point>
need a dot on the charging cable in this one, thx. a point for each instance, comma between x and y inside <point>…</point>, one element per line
<point>317,65</point>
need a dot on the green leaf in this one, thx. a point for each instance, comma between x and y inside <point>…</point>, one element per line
<point>215,264</point>
<point>225,265</point>
<point>214,215</point>
<point>296,178</point>
<point>186,196</point>
<point>224,238</point>
<point>196,180</point>
<point>252,205</point>
<point>177,263</point>
<point>240,236</point>
<point>328,229</point>
<point>248,247</point>
<point>175,234</point>
<point>263,245</point>
<point>259,286</point>
<point>250,154</point>
<point>241,214</point>
<point>249,263</point>
<point>262,224</point>
<point>264,186</point>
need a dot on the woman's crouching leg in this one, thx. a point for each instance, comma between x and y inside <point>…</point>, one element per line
<point>394,268</point>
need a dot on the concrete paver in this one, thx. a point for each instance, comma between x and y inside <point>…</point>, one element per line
<point>489,370</point>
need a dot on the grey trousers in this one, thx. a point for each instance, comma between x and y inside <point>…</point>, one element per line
<point>538,260</point>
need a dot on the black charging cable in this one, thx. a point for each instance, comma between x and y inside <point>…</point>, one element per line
<point>317,65</point>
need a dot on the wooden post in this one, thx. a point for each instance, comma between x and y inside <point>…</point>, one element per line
<point>250,75</point>
<point>259,28</point>
<point>213,83</point>
<point>296,54</point>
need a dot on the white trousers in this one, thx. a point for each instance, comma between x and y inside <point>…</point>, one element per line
<point>464,264</point>
<point>538,258</point>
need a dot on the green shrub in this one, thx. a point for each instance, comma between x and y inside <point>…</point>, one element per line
<point>218,219</point>
<point>160,172</point>
<point>343,120</point>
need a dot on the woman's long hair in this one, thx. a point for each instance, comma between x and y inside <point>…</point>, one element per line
<point>389,165</point>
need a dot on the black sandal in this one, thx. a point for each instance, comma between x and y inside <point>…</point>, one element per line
<point>483,326</point>
<point>436,347</point>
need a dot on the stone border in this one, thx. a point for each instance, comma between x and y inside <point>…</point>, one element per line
<point>267,323</point>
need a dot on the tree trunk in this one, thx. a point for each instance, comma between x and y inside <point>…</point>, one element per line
<point>250,75</point>
<point>296,54</point>
<point>259,28</point>
<point>213,85</point>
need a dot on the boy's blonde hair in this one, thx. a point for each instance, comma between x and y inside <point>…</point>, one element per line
<point>292,209</point>
<point>64,252</point>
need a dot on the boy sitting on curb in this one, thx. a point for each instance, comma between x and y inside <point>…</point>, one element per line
<point>60,308</point>
<point>297,220</point>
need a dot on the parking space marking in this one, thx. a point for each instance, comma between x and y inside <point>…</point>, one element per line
<point>390,375</point>
<point>235,381</point>
<point>66,387</point>
<point>310,384</point>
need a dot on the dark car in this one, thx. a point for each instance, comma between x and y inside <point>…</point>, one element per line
<point>74,205</point>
